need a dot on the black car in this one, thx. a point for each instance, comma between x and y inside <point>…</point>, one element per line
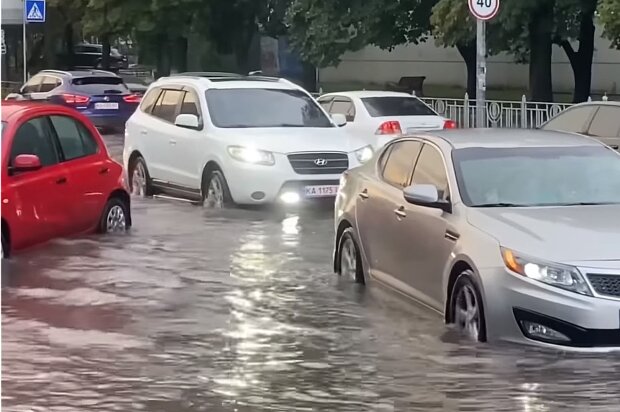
<point>86,55</point>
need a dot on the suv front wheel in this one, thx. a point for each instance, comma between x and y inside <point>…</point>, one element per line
<point>215,192</point>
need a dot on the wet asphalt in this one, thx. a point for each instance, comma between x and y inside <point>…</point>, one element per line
<point>238,310</point>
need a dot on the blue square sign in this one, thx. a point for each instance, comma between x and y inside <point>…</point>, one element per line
<point>35,11</point>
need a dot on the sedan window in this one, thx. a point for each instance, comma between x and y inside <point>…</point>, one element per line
<point>538,176</point>
<point>400,162</point>
<point>431,170</point>
<point>34,137</point>
<point>75,140</point>
<point>571,120</point>
<point>606,122</point>
<point>345,107</point>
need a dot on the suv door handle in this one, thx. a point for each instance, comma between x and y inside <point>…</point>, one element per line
<point>61,180</point>
<point>104,171</point>
<point>173,142</point>
<point>143,132</point>
<point>400,212</point>
<point>364,194</point>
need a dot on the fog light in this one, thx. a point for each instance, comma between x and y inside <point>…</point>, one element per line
<point>541,332</point>
<point>258,195</point>
<point>290,197</point>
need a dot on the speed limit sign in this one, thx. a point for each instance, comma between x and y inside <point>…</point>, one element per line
<point>484,9</point>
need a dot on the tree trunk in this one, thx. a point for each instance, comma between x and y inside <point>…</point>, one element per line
<point>581,60</point>
<point>468,52</point>
<point>105,50</point>
<point>163,56</point>
<point>68,46</point>
<point>180,53</point>
<point>541,47</point>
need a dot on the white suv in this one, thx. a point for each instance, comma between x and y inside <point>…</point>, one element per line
<point>243,140</point>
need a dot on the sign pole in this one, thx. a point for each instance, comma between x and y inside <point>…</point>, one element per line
<point>25,54</point>
<point>481,69</point>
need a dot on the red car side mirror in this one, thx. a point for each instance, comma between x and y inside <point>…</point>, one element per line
<point>26,163</point>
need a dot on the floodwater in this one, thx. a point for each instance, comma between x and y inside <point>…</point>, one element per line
<point>238,310</point>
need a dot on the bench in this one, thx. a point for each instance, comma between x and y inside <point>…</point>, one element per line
<point>408,84</point>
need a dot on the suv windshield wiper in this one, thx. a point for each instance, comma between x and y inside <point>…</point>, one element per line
<point>585,204</point>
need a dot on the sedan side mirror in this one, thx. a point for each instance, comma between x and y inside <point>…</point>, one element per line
<point>425,195</point>
<point>188,121</point>
<point>339,119</point>
<point>26,163</point>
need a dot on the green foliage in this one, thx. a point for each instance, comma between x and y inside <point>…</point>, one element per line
<point>322,30</point>
<point>610,17</point>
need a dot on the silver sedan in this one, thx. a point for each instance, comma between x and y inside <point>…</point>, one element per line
<point>510,235</point>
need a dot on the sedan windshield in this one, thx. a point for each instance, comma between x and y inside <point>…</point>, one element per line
<point>538,176</point>
<point>243,108</point>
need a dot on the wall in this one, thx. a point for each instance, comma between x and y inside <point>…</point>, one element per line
<point>12,11</point>
<point>444,66</point>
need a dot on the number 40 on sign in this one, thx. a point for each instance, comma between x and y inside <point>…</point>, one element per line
<point>484,9</point>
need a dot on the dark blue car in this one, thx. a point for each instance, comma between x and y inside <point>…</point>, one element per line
<point>100,95</point>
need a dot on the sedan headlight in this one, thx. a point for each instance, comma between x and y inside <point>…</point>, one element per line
<point>251,155</point>
<point>554,274</point>
<point>364,154</point>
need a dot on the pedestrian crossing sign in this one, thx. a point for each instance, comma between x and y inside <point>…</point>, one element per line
<point>35,11</point>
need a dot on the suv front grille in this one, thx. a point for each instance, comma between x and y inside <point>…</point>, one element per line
<point>319,163</point>
<point>606,285</point>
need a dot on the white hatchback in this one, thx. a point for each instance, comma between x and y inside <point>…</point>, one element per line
<point>379,116</point>
<point>236,140</point>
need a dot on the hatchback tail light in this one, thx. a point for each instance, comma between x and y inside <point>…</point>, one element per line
<point>132,98</point>
<point>391,127</point>
<point>449,124</point>
<point>75,99</point>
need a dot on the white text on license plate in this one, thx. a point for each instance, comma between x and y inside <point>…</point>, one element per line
<point>106,106</point>
<point>321,191</point>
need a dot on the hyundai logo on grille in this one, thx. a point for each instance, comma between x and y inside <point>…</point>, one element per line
<point>320,162</point>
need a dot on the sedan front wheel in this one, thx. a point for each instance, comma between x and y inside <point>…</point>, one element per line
<point>467,308</point>
<point>350,260</point>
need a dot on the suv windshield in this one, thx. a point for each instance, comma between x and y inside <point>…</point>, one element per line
<point>396,106</point>
<point>244,108</point>
<point>100,85</point>
<point>538,176</point>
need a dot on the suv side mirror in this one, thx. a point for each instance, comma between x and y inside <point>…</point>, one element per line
<point>425,195</point>
<point>26,163</point>
<point>339,119</point>
<point>188,121</point>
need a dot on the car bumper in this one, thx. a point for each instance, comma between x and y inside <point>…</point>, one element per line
<point>255,184</point>
<point>109,121</point>
<point>512,301</point>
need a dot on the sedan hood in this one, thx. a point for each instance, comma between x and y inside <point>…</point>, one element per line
<point>294,139</point>
<point>559,234</point>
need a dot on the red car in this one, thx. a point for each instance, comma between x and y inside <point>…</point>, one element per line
<point>57,177</point>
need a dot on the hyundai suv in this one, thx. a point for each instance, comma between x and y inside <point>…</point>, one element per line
<point>237,140</point>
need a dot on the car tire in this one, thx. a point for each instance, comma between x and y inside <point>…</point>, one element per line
<point>349,258</point>
<point>467,307</point>
<point>6,252</point>
<point>139,178</point>
<point>215,191</point>
<point>115,217</point>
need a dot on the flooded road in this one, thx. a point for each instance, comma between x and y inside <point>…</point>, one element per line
<point>237,310</point>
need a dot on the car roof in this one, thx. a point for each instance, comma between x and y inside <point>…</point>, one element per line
<point>230,82</point>
<point>598,103</point>
<point>360,94</point>
<point>11,108</point>
<point>79,73</point>
<point>509,138</point>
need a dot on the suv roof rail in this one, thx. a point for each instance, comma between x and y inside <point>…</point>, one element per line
<point>206,74</point>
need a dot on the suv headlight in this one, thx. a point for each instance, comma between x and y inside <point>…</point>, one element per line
<point>251,155</point>
<point>364,154</point>
<point>554,274</point>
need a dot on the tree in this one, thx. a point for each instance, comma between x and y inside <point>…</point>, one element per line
<point>610,17</point>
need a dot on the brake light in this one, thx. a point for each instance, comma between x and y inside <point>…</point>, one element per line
<point>391,127</point>
<point>132,98</point>
<point>449,124</point>
<point>75,99</point>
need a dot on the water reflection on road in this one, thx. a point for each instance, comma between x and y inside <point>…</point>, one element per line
<point>238,310</point>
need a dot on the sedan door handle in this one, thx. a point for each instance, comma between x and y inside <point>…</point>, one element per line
<point>61,180</point>
<point>400,212</point>
<point>364,194</point>
<point>104,171</point>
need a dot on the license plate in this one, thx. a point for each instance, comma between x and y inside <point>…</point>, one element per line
<point>106,106</point>
<point>321,191</point>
